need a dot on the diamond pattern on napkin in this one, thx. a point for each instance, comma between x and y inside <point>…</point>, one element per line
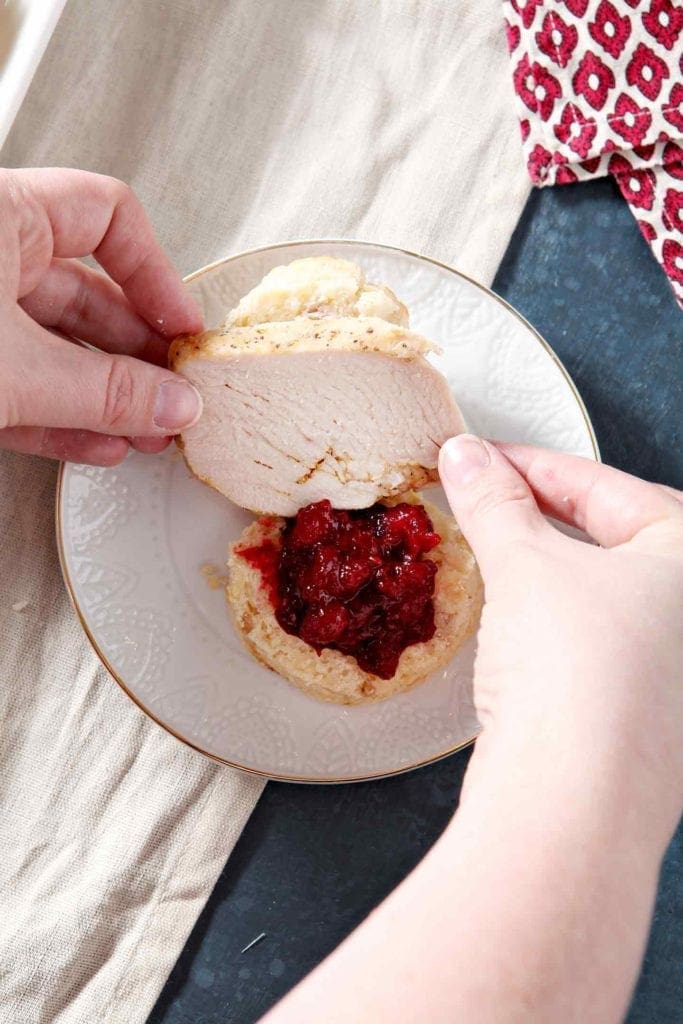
<point>599,87</point>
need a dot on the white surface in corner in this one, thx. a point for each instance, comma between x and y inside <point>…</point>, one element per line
<point>25,30</point>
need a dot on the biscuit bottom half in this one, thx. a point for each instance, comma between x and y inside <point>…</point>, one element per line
<point>331,675</point>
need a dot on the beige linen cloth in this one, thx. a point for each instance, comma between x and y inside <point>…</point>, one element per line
<point>238,124</point>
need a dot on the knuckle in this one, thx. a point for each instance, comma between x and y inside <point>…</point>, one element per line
<point>78,303</point>
<point>120,193</point>
<point>117,189</point>
<point>123,231</point>
<point>487,502</point>
<point>30,227</point>
<point>119,395</point>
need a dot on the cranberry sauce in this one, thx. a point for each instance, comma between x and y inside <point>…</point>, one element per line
<point>354,581</point>
<point>265,558</point>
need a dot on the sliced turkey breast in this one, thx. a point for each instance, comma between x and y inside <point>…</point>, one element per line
<point>342,407</point>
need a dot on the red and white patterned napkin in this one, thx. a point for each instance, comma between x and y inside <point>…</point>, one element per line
<point>600,89</point>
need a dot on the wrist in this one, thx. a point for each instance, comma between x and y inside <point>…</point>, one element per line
<point>560,861</point>
<point>595,786</point>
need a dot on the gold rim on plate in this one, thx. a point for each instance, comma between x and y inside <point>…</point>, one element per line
<point>72,593</point>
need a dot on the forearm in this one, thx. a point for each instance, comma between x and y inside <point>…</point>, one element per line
<point>559,858</point>
<point>533,906</point>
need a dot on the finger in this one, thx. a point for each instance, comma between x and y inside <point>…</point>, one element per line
<point>492,503</point>
<point>149,445</point>
<point>81,303</point>
<point>53,382</point>
<point>77,213</point>
<point>678,495</point>
<point>610,506</point>
<point>68,445</point>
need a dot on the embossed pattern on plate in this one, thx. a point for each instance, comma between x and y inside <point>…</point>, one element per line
<point>133,540</point>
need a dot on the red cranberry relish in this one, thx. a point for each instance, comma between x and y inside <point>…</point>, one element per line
<point>354,581</point>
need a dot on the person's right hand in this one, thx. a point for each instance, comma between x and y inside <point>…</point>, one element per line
<point>58,398</point>
<point>580,647</point>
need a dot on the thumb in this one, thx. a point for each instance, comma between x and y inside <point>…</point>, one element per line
<point>51,382</point>
<point>493,504</point>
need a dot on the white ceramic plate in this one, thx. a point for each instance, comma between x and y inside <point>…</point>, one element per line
<point>25,30</point>
<point>133,539</point>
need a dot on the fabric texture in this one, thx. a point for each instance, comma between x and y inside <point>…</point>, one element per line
<point>238,124</point>
<point>600,91</point>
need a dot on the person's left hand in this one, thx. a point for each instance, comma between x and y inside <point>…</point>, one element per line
<point>62,399</point>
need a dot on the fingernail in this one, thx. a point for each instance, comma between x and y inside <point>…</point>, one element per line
<point>178,405</point>
<point>462,459</point>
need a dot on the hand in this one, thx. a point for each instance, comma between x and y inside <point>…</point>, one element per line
<point>58,398</point>
<point>580,647</point>
<point>534,904</point>
<point>578,774</point>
